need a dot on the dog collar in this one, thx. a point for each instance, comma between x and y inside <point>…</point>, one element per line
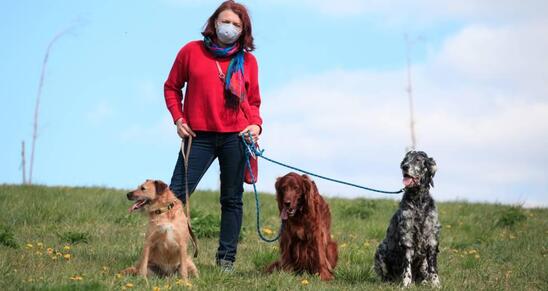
<point>163,209</point>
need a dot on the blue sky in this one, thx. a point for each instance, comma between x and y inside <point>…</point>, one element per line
<point>332,77</point>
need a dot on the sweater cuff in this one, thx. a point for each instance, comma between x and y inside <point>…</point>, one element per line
<point>177,116</point>
<point>258,122</point>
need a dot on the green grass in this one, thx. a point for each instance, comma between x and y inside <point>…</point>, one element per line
<point>60,238</point>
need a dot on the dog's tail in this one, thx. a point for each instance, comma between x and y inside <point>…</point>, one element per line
<point>194,240</point>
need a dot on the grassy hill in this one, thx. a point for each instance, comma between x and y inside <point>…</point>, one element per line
<point>60,238</point>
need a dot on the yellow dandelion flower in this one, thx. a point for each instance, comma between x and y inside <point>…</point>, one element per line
<point>54,258</point>
<point>448,226</point>
<point>343,245</point>
<point>156,288</point>
<point>166,286</point>
<point>129,285</point>
<point>366,244</point>
<point>66,256</point>
<point>29,246</point>
<point>305,282</point>
<point>182,282</point>
<point>66,247</point>
<point>76,278</point>
<point>58,254</point>
<point>50,251</point>
<point>40,245</point>
<point>477,257</point>
<point>118,276</point>
<point>267,231</point>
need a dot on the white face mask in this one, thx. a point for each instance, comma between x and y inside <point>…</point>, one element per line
<point>227,33</point>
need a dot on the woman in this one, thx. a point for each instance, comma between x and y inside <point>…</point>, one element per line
<point>221,103</point>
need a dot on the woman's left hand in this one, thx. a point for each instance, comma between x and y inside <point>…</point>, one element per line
<point>254,129</point>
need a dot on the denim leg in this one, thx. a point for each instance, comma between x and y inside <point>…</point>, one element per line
<point>202,154</point>
<point>231,162</point>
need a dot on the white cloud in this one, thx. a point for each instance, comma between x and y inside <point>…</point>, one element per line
<point>160,132</point>
<point>514,53</point>
<point>398,11</point>
<point>483,121</point>
<point>150,92</point>
<point>100,113</point>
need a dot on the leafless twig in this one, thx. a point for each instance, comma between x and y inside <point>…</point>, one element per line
<point>37,106</point>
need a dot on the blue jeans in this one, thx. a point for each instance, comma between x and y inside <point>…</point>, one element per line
<point>206,147</point>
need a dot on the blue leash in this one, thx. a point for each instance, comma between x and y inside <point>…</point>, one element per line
<point>253,150</point>
<point>257,206</point>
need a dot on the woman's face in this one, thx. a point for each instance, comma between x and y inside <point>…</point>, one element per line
<point>228,16</point>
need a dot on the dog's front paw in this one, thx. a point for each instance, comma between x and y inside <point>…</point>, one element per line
<point>143,273</point>
<point>435,281</point>
<point>406,280</point>
<point>273,267</point>
<point>129,271</point>
<point>326,276</point>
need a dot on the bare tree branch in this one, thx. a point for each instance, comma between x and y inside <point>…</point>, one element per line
<point>37,106</point>
<point>23,161</point>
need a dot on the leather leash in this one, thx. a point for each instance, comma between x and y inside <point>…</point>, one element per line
<point>186,155</point>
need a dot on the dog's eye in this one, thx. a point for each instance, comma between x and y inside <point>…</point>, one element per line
<point>142,188</point>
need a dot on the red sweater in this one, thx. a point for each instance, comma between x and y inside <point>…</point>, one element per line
<point>204,103</point>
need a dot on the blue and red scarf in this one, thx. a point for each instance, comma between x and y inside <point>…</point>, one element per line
<point>234,79</point>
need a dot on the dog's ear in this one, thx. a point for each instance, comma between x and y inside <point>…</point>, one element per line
<point>279,193</point>
<point>406,158</point>
<point>432,168</point>
<point>309,193</point>
<point>160,187</point>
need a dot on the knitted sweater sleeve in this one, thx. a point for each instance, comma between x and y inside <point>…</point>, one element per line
<point>253,94</point>
<point>174,84</point>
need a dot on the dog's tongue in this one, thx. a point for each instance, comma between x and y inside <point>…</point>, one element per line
<point>407,181</point>
<point>136,205</point>
<point>283,215</point>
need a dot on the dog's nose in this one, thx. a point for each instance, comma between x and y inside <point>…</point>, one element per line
<point>287,204</point>
<point>405,167</point>
<point>129,194</point>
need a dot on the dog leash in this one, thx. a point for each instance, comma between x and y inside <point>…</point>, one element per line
<point>257,205</point>
<point>254,151</point>
<point>186,156</point>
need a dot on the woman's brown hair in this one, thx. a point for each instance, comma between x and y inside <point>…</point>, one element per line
<point>246,38</point>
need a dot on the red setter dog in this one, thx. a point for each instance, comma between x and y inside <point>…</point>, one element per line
<point>305,242</point>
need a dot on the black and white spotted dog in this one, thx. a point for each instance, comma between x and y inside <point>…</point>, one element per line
<point>410,249</point>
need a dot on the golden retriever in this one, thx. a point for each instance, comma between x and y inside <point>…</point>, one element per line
<point>165,249</point>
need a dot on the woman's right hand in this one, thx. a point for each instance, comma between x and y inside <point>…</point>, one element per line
<point>183,130</point>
